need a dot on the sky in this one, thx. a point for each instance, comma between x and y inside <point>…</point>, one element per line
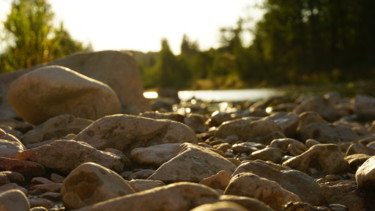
<point>141,24</point>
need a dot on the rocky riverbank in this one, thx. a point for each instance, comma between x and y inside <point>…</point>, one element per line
<point>314,153</point>
<point>66,144</point>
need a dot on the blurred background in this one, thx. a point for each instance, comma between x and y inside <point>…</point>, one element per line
<point>201,44</point>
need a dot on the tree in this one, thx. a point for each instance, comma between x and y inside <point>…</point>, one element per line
<point>31,37</point>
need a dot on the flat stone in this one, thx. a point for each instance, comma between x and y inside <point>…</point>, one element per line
<point>126,132</point>
<point>91,183</point>
<point>176,196</point>
<point>193,164</point>
<point>55,128</point>
<point>270,192</point>
<point>294,181</point>
<point>327,158</point>
<point>65,155</point>
<point>156,154</point>
<point>365,174</point>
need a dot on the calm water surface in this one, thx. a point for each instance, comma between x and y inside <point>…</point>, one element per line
<point>229,95</point>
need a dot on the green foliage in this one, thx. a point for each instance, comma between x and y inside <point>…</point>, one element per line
<point>31,37</point>
<point>297,42</point>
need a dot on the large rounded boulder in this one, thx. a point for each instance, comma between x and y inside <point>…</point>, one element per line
<point>53,90</point>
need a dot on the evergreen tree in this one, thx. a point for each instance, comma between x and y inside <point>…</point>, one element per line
<point>31,37</point>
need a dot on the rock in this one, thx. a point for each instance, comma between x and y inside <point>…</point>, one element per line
<point>291,180</point>
<point>308,117</point>
<point>217,181</point>
<point>157,115</point>
<point>53,90</point>
<point>193,164</point>
<point>289,146</point>
<point>39,209</point>
<point>11,177</point>
<point>26,168</point>
<point>344,192</point>
<point>10,146</point>
<point>325,157</point>
<point>55,128</point>
<point>13,200</point>
<point>296,206</point>
<point>156,154</point>
<point>196,122</point>
<point>359,148</point>
<point>319,105</point>
<point>356,160</point>
<point>177,196</point>
<point>219,206</point>
<point>41,202</point>
<point>12,186</point>
<point>118,70</point>
<point>328,133</point>
<point>268,154</point>
<point>144,184</point>
<point>141,174</point>
<point>365,174</point>
<point>126,132</point>
<point>44,188</point>
<point>66,155</point>
<point>270,192</point>
<point>364,106</point>
<point>217,118</point>
<point>288,122</point>
<point>250,204</point>
<point>91,183</point>
<point>262,130</point>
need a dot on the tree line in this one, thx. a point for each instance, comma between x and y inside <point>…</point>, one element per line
<point>32,39</point>
<point>296,42</point>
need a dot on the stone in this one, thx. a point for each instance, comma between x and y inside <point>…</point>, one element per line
<point>359,148</point>
<point>53,90</point>
<point>288,122</point>
<point>157,115</point>
<point>141,174</point>
<point>294,181</point>
<point>91,183</point>
<point>344,192</point>
<point>327,158</point>
<point>26,168</point>
<point>126,132</point>
<point>41,202</point>
<point>270,192</point>
<point>356,160</point>
<point>156,154</point>
<point>249,203</point>
<point>39,208</point>
<point>319,105</point>
<point>144,184</point>
<point>196,122</point>
<point>268,154</point>
<point>217,118</point>
<point>364,106</point>
<point>65,155</point>
<point>176,196</point>
<point>10,146</point>
<point>365,174</point>
<point>328,133</point>
<point>308,117</point>
<point>192,164</point>
<point>217,181</point>
<point>262,130</point>
<point>11,177</point>
<point>117,69</point>
<point>14,200</point>
<point>295,206</point>
<point>55,128</point>
<point>43,188</point>
<point>12,186</point>
<point>289,146</point>
<point>221,205</point>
